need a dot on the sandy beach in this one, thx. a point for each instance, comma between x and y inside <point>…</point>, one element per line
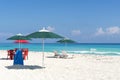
<point>81,67</point>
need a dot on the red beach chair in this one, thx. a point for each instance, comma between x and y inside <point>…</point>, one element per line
<point>10,54</point>
<point>25,53</point>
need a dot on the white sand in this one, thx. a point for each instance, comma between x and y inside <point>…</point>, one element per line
<point>81,67</point>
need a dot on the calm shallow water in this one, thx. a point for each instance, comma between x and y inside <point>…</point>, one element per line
<point>78,48</point>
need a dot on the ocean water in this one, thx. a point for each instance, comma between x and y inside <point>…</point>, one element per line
<point>77,48</point>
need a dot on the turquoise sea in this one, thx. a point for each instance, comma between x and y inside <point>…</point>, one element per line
<point>77,48</point>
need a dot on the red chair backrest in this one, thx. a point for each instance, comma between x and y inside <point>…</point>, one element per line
<point>10,52</point>
<point>25,51</point>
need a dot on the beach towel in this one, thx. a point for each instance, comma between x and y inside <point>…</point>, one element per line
<point>18,59</point>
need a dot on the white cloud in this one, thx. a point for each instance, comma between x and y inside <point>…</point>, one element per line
<point>108,31</point>
<point>76,32</point>
<point>113,30</point>
<point>50,28</point>
<point>99,31</point>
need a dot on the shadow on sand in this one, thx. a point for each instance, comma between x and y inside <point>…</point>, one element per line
<point>51,57</point>
<point>4,59</point>
<point>32,67</point>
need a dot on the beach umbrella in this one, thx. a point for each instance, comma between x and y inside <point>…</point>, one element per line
<point>66,41</point>
<point>21,41</point>
<point>19,37</point>
<point>43,34</point>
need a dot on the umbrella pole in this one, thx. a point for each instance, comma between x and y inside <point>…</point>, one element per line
<point>43,52</point>
<point>19,43</point>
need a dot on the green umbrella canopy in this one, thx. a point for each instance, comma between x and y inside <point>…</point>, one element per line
<point>19,37</point>
<point>44,34</point>
<point>66,40</point>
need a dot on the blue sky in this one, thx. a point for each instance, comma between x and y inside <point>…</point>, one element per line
<point>85,21</point>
